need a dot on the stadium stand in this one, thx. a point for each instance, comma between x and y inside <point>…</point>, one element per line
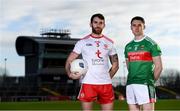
<point>45,77</point>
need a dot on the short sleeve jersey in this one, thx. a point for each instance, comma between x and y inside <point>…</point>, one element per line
<point>96,52</point>
<point>140,62</point>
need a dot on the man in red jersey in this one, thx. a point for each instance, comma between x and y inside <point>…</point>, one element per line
<point>96,49</point>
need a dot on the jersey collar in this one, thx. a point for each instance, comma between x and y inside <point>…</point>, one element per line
<point>97,37</point>
<point>140,39</point>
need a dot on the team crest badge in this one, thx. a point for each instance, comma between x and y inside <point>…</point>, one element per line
<point>105,46</point>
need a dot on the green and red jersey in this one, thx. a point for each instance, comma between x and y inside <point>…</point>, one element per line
<point>140,62</point>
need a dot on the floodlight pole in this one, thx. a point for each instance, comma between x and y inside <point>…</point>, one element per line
<point>5,59</point>
<point>124,66</point>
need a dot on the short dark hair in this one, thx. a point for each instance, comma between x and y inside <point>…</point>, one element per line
<point>138,18</point>
<point>97,15</point>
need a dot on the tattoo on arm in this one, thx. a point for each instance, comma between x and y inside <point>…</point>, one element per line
<point>115,65</point>
<point>114,58</point>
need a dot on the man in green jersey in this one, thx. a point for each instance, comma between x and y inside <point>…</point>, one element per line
<point>143,59</point>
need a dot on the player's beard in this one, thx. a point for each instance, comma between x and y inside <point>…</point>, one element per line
<point>97,30</point>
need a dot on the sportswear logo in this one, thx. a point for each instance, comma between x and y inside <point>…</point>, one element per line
<point>88,44</point>
<point>129,48</point>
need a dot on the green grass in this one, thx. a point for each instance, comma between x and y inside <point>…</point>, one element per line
<point>75,105</point>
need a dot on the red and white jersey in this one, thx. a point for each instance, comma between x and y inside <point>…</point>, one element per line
<point>96,52</point>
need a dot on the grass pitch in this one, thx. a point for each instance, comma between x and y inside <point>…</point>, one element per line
<point>75,105</point>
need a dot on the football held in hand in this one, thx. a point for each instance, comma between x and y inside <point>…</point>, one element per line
<point>80,66</point>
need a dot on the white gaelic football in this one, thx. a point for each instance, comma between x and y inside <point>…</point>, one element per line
<point>79,65</point>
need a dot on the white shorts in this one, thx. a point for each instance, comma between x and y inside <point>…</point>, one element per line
<point>140,94</point>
